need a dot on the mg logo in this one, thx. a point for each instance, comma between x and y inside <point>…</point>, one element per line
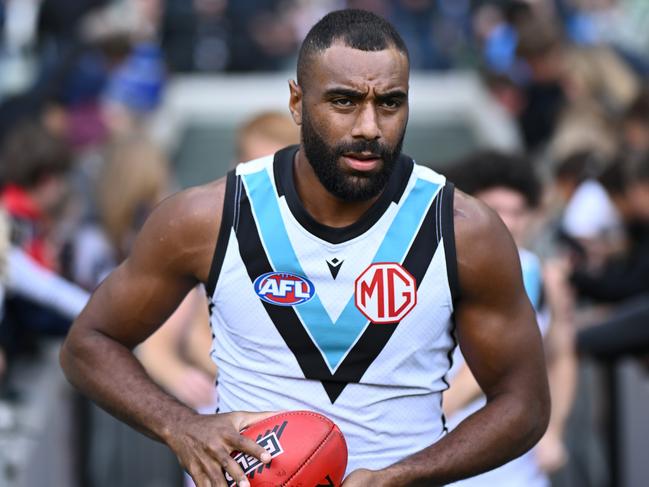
<point>385,292</point>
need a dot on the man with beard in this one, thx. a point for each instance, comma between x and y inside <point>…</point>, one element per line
<point>335,271</point>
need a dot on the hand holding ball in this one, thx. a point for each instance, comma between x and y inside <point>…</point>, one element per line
<point>307,450</point>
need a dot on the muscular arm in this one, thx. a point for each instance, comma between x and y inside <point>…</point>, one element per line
<point>172,253</point>
<point>164,358</point>
<point>502,346</point>
<point>129,306</point>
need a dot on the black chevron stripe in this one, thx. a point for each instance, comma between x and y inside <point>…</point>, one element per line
<point>375,337</point>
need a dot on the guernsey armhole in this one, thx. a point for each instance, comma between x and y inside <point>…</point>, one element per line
<point>227,220</point>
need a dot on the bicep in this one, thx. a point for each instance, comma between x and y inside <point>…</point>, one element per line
<point>499,343</point>
<point>169,257</point>
<point>496,324</point>
<point>132,303</point>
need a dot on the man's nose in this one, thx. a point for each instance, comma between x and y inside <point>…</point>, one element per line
<point>366,125</point>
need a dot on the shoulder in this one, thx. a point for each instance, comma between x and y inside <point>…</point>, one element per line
<point>473,219</point>
<point>193,207</point>
<point>183,229</point>
<point>486,254</point>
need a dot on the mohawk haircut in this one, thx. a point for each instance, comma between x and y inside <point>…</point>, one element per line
<point>357,29</point>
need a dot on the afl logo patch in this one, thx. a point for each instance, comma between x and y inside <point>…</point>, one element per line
<point>283,288</point>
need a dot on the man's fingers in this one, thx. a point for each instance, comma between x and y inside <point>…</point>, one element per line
<point>249,447</point>
<point>231,467</point>
<point>198,475</point>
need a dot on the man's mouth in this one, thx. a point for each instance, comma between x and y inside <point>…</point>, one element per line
<point>362,161</point>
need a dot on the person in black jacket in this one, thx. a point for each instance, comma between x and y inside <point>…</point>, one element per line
<point>622,279</point>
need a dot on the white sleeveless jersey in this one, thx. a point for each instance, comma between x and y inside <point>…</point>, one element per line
<point>354,322</point>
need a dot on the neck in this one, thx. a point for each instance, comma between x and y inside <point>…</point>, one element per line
<point>323,206</point>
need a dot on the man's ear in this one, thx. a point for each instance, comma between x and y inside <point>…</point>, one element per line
<point>295,101</point>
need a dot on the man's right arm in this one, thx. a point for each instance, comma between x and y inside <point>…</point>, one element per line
<point>172,253</point>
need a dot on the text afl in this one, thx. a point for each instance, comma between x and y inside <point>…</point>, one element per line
<point>284,288</point>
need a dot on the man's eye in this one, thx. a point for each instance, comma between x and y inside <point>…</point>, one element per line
<point>343,102</point>
<point>391,103</point>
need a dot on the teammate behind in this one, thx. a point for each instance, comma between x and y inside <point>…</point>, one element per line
<point>334,270</point>
<point>508,185</point>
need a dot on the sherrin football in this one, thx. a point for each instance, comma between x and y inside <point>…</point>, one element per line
<point>307,450</point>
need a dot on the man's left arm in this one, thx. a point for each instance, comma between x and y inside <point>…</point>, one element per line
<point>501,343</point>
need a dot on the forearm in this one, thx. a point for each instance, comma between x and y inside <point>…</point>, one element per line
<point>504,429</point>
<point>109,374</point>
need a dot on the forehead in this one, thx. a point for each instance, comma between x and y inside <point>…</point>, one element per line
<point>344,65</point>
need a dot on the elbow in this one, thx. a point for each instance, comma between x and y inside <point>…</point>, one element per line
<point>72,353</point>
<point>529,417</point>
<point>66,356</point>
<point>536,418</point>
<point>541,423</point>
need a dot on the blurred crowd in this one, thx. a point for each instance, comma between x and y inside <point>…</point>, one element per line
<point>80,171</point>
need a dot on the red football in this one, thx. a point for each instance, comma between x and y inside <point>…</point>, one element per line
<point>307,449</point>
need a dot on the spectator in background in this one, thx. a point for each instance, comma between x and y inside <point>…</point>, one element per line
<point>261,34</point>
<point>196,35</point>
<point>593,218</point>
<point>33,107</point>
<point>568,174</point>
<point>134,90</point>
<point>133,179</point>
<point>635,124</point>
<point>509,186</point>
<point>265,134</point>
<point>566,83</point>
<point>622,280</point>
<point>35,165</point>
<point>623,276</point>
<point>415,21</point>
<point>618,23</point>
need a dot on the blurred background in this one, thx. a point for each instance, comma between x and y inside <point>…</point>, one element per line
<point>538,107</point>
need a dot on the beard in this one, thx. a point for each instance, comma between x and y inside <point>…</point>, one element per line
<point>348,187</point>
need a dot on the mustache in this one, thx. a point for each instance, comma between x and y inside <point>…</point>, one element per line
<point>373,146</point>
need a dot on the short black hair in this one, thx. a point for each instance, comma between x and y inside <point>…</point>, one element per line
<point>29,153</point>
<point>615,176</point>
<point>488,169</point>
<point>357,29</point>
<point>579,166</point>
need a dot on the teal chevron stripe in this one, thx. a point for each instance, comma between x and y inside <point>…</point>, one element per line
<point>334,339</point>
